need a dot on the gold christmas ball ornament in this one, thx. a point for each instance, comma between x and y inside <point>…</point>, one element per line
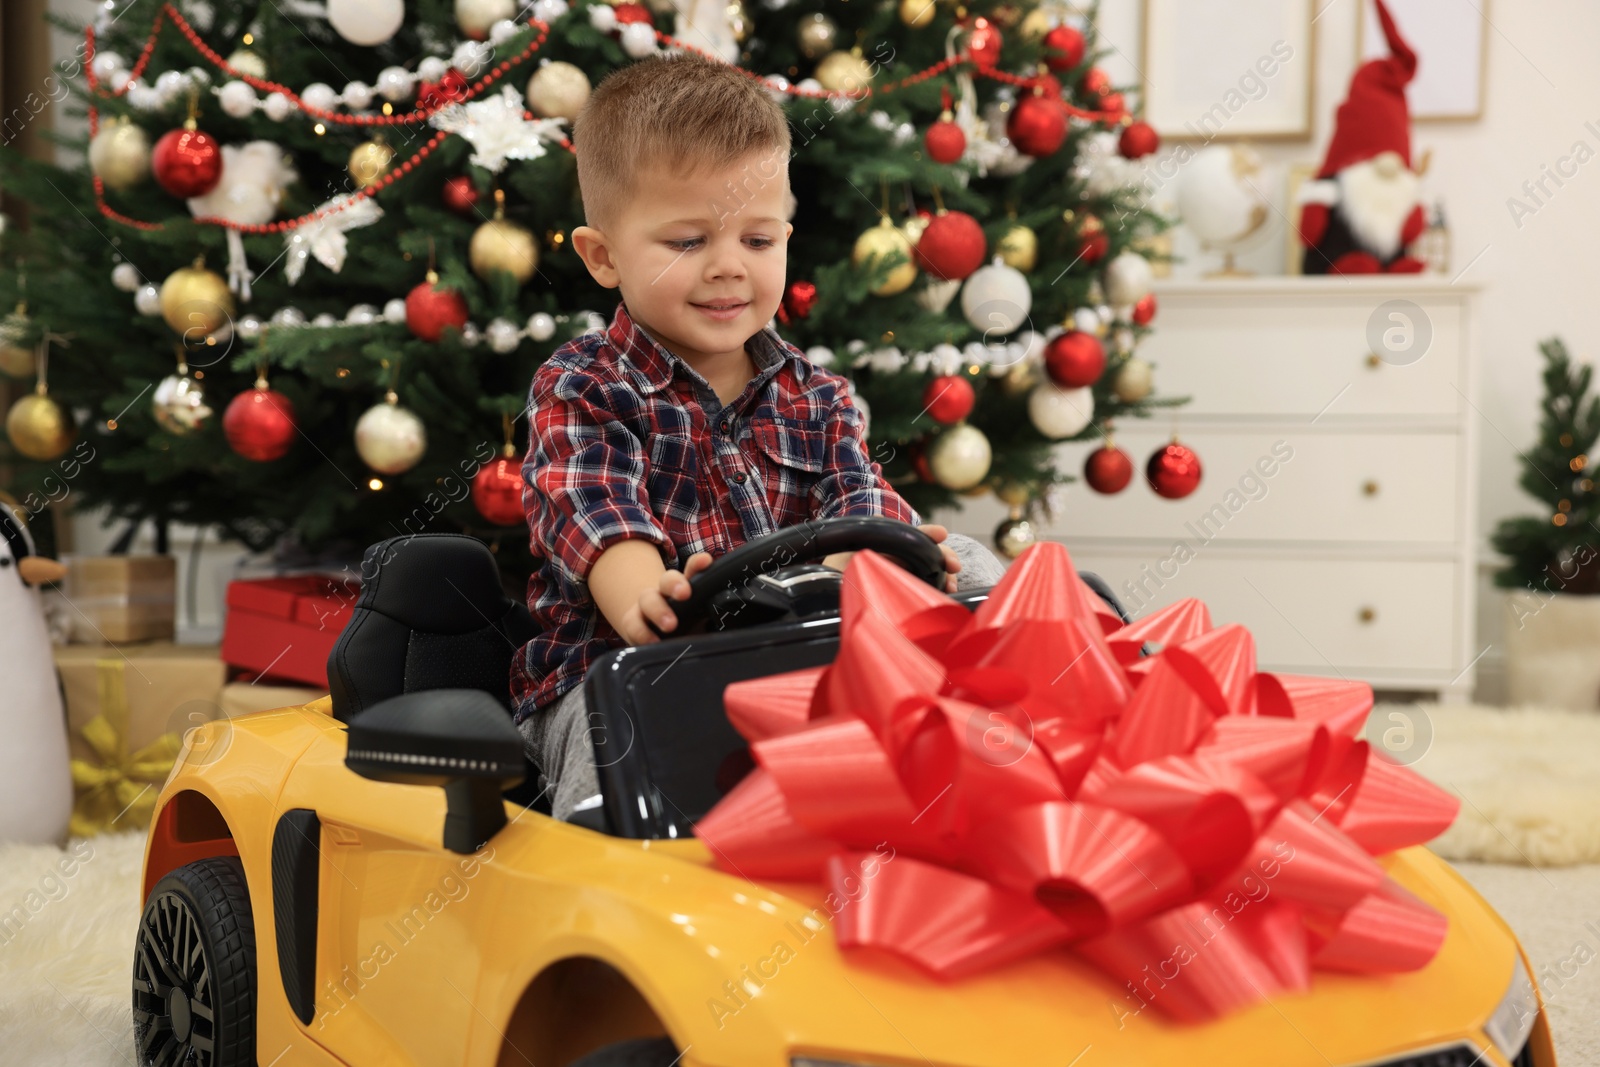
<point>1134,381</point>
<point>247,62</point>
<point>196,302</point>
<point>1012,494</point>
<point>844,72</point>
<point>38,427</point>
<point>1014,536</point>
<point>369,161</point>
<point>916,13</point>
<point>882,242</point>
<point>959,457</point>
<point>16,359</point>
<point>1021,378</point>
<point>501,244</point>
<point>558,90</point>
<point>1019,248</point>
<point>818,35</point>
<point>119,155</point>
<point>1036,24</point>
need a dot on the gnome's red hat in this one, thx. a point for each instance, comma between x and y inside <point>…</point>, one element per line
<point>1373,117</point>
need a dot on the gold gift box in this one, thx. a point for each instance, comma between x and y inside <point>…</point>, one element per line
<point>122,598</point>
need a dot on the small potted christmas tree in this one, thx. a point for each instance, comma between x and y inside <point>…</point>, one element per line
<point>1552,619</point>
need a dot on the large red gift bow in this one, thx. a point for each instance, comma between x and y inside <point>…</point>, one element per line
<point>1197,829</point>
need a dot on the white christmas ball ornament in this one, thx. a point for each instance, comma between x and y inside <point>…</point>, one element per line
<point>1134,381</point>
<point>320,95</point>
<point>106,64</point>
<point>277,107</point>
<point>395,311</point>
<point>366,22</point>
<point>558,90</point>
<point>247,62</point>
<point>476,16</point>
<point>996,299</point>
<point>541,326</point>
<point>820,355</point>
<point>390,439</point>
<point>960,457</point>
<point>549,10</point>
<point>357,96</point>
<point>394,84</point>
<point>639,39</point>
<point>603,18</point>
<point>238,99</point>
<point>125,276</point>
<point>1128,279</point>
<point>502,336</point>
<point>147,301</point>
<point>1060,413</point>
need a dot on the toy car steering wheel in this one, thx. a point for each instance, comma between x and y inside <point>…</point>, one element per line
<point>768,577</point>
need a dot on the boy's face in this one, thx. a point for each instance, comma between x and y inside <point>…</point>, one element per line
<point>700,259</point>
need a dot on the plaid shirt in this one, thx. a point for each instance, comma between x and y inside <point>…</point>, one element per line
<point>629,441</point>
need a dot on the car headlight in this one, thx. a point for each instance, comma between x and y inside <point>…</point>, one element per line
<point>1513,1020</point>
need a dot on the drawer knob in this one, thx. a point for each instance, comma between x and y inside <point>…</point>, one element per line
<point>1369,487</point>
<point>1374,360</point>
<point>1367,614</point>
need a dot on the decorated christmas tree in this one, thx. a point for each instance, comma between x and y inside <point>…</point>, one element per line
<point>1555,552</point>
<point>300,286</point>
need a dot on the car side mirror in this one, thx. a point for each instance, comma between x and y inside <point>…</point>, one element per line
<point>461,740</point>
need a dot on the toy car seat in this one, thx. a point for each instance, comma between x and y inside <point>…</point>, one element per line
<point>432,615</point>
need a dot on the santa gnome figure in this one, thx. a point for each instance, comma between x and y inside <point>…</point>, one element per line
<point>1362,209</point>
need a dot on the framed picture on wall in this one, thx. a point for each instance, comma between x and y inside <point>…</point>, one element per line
<point>1449,39</point>
<point>1229,69</point>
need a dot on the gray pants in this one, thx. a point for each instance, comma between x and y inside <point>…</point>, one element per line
<point>557,737</point>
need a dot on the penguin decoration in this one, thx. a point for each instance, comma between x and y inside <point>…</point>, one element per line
<point>35,776</point>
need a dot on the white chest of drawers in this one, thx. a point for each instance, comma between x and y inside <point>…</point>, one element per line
<point>1335,517</point>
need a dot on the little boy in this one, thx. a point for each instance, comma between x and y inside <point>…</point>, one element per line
<point>688,427</point>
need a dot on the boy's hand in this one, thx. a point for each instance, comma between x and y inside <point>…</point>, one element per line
<point>654,604</point>
<point>840,560</point>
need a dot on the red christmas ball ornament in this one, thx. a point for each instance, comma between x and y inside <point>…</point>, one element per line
<point>1144,310</point>
<point>1173,471</point>
<point>1037,126</point>
<point>1108,470</point>
<point>259,424</point>
<point>919,461</point>
<point>187,162</point>
<point>629,12</point>
<point>497,490</point>
<point>1138,139</point>
<point>1075,359</point>
<point>948,399</point>
<point>460,195</point>
<point>798,300</point>
<point>1063,48</point>
<point>431,310</point>
<point>983,43</point>
<point>952,246</point>
<point>1093,244</point>
<point>944,141</point>
<point>1113,103</point>
<point>1095,83</point>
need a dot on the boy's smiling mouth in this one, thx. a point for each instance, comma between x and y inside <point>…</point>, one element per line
<point>721,310</point>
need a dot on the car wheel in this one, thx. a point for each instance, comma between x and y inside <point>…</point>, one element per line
<point>640,1052</point>
<point>194,969</point>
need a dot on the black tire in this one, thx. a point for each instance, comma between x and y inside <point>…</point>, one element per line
<point>640,1052</point>
<point>194,970</point>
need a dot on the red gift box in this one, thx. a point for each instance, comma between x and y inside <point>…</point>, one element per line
<point>285,627</point>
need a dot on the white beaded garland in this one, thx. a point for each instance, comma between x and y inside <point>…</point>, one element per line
<point>147,301</point>
<point>502,336</point>
<point>639,39</point>
<point>320,95</point>
<point>541,326</point>
<point>277,107</point>
<point>238,99</point>
<point>357,96</point>
<point>125,276</point>
<point>394,84</point>
<point>603,18</point>
<point>394,311</point>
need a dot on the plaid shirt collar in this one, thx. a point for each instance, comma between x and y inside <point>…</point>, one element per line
<point>651,366</point>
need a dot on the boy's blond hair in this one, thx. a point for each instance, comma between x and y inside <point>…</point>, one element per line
<point>686,112</point>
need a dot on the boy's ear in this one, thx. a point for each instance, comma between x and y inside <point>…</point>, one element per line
<point>594,248</point>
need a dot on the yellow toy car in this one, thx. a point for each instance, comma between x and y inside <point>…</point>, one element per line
<point>349,882</point>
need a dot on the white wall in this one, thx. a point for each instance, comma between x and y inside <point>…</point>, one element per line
<point>1542,87</point>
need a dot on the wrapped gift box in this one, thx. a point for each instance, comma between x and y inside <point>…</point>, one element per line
<point>117,599</point>
<point>284,628</point>
<point>127,710</point>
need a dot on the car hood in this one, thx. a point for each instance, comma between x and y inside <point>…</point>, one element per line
<point>787,977</point>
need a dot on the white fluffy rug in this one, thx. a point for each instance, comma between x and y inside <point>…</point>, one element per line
<point>1528,778</point>
<point>1529,781</point>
